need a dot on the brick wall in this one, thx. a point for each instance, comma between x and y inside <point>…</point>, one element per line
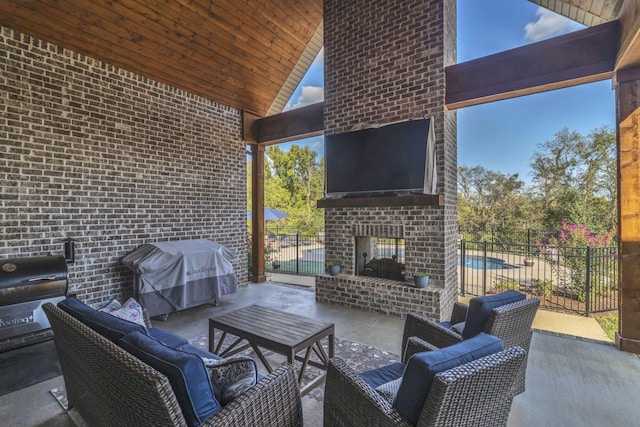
<point>113,160</point>
<point>384,61</point>
<point>378,295</point>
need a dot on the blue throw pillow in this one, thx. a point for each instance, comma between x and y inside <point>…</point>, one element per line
<point>480,309</point>
<point>423,367</point>
<point>186,372</point>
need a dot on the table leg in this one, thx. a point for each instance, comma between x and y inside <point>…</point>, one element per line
<point>332,345</point>
<point>262,358</point>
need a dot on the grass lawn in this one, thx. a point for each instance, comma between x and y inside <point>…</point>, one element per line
<point>609,323</point>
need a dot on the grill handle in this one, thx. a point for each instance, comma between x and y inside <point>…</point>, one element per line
<point>49,277</point>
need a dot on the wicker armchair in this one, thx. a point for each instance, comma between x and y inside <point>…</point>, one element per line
<point>511,323</point>
<point>477,393</point>
<point>108,386</point>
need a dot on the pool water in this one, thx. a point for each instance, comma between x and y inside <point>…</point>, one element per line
<point>476,261</point>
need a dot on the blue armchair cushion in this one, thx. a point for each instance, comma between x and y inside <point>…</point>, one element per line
<point>186,373</point>
<point>379,376</point>
<point>480,309</point>
<point>423,367</point>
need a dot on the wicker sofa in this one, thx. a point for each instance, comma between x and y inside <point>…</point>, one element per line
<point>108,386</point>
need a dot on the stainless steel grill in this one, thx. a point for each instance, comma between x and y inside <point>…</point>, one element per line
<point>26,284</point>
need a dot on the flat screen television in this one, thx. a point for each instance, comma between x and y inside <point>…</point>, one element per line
<point>397,158</point>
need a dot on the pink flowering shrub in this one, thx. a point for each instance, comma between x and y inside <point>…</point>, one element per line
<point>567,255</point>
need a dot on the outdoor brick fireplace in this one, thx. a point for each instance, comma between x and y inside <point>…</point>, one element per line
<point>392,73</point>
<point>419,226</point>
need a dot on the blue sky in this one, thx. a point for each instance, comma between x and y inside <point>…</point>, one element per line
<point>502,136</point>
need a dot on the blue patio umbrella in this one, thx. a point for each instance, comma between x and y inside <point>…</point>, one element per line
<point>271,214</point>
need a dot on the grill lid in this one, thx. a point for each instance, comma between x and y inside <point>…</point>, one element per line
<point>32,278</point>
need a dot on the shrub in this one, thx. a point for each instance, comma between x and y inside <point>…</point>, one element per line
<point>543,287</point>
<point>502,285</point>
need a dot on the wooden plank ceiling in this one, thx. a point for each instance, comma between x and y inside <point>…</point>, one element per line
<point>586,12</point>
<point>239,53</point>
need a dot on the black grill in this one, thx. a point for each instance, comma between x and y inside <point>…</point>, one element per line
<point>26,284</point>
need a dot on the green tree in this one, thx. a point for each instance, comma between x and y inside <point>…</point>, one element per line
<point>489,199</point>
<point>575,179</point>
<point>294,181</point>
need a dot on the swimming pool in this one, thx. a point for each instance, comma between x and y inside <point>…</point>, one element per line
<point>476,261</point>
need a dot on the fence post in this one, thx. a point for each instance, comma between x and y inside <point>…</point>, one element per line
<point>297,253</point>
<point>484,268</point>
<point>463,263</point>
<point>587,285</point>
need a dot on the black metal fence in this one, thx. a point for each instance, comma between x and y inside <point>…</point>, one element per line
<point>527,236</point>
<point>294,253</point>
<point>574,279</point>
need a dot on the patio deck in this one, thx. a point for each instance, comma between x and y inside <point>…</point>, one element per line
<point>570,381</point>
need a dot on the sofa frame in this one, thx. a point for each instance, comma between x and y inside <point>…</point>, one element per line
<point>108,386</point>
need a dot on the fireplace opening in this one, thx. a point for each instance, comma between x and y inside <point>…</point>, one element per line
<point>381,257</point>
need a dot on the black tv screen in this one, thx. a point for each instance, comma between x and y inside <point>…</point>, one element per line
<point>394,158</point>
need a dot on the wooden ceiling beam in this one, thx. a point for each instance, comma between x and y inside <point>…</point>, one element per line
<point>295,124</point>
<point>629,53</point>
<point>581,57</point>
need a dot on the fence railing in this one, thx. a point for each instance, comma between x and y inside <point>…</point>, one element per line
<point>575,279</point>
<point>294,253</point>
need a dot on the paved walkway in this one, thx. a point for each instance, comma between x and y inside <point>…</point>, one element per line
<point>561,323</point>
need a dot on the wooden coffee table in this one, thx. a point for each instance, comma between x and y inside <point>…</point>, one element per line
<point>284,333</point>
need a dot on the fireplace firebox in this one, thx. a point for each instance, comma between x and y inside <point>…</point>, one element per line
<point>381,257</point>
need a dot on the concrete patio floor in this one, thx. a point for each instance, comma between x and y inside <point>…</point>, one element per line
<point>570,380</point>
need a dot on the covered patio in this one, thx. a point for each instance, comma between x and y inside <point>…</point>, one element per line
<point>125,123</point>
<point>570,380</point>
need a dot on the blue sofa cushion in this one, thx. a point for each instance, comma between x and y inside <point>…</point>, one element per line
<point>111,327</point>
<point>186,373</point>
<point>379,376</point>
<point>103,323</point>
<point>423,367</point>
<point>189,348</point>
<point>75,308</point>
<point>480,309</point>
<point>167,338</point>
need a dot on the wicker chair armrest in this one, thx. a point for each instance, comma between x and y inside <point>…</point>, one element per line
<point>417,345</point>
<point>512,322</point>
<point>476,393</point>
<point>429,331</point>
<point>349,401</point>
<point>459,313</point>
<point>273,401</point>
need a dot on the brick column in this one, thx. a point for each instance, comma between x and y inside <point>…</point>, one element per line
<point>384,62</point>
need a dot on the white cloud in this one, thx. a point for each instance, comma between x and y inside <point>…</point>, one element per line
<point>317,145</point>
<point>549,24</point>
<point>309,95</point>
